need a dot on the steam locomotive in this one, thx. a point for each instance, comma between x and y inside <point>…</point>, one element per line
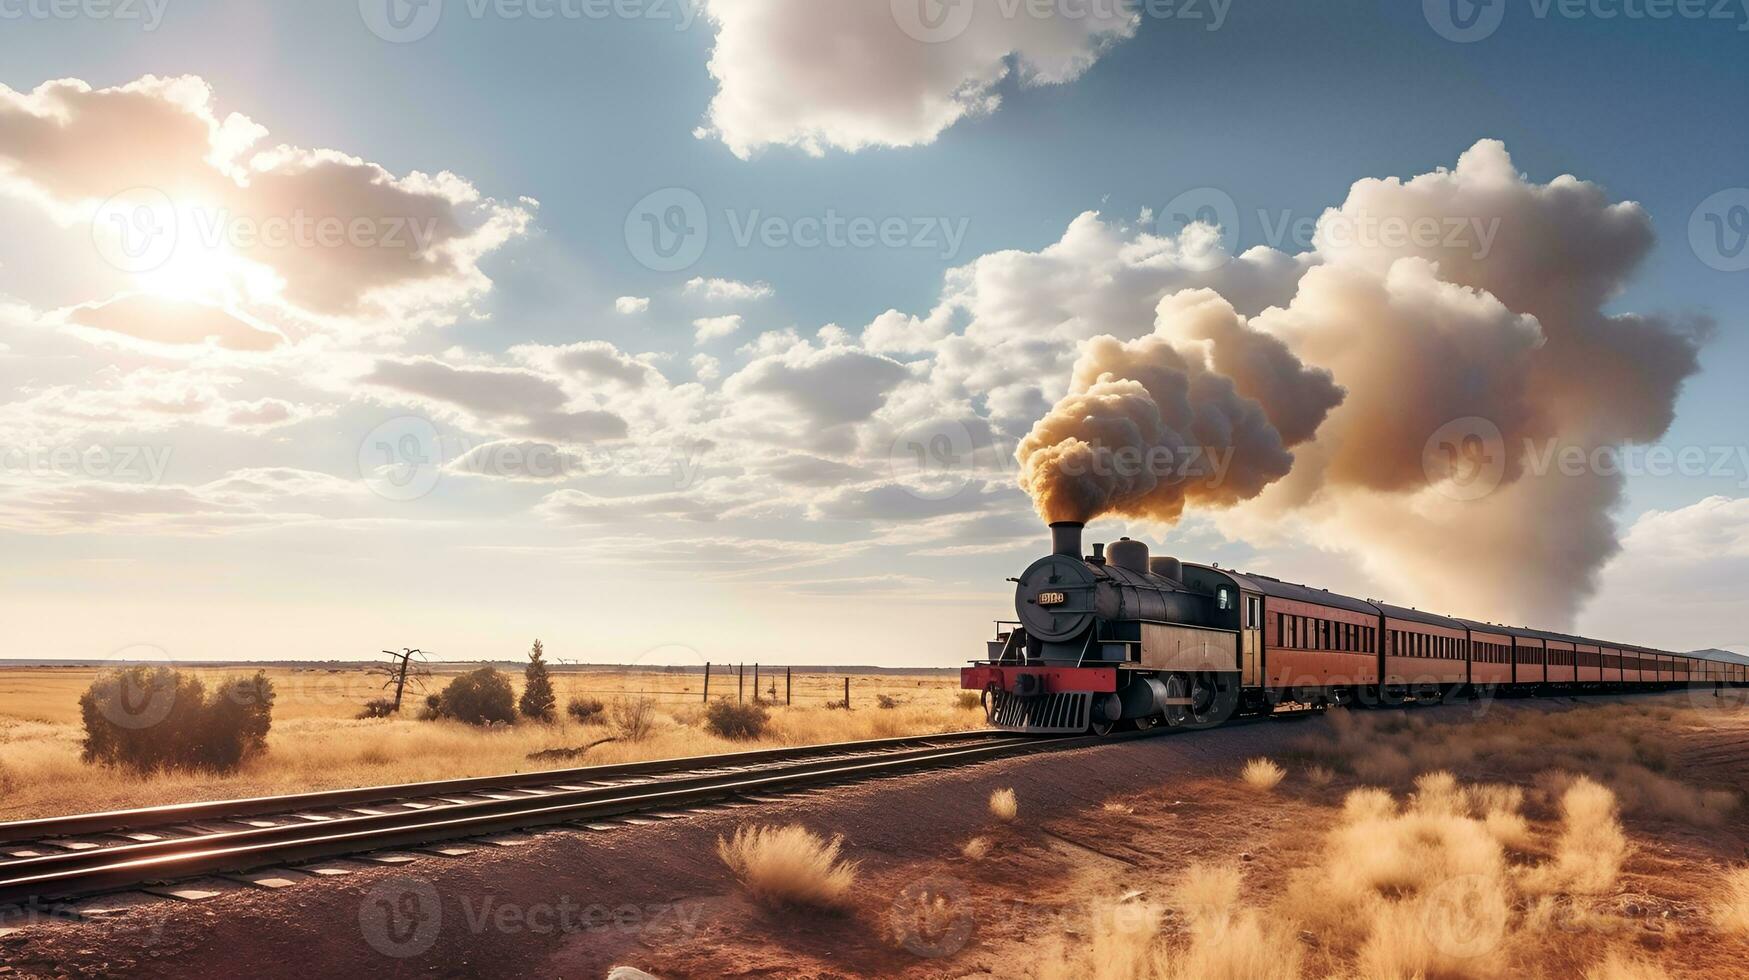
<point>1121,639</point>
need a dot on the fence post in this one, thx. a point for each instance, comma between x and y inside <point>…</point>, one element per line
<point>707,682</point>
<point>847,692</point>
<point>740,683</point>
<point>786,687</point>
<point>756,682</point>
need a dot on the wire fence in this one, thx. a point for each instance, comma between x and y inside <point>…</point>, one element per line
<point>748,682</point>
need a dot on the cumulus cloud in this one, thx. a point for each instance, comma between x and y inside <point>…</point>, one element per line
<point>728,290</point>
<point>629,305</point>
<point>846,75</point>
<point>706,329</point>
<point>1677,582</point>
<point>518,402</point>
<point>597,360</point>
<point>825,386</point>
<point>316,235</point>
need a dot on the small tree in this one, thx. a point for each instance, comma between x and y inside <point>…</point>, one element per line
<point>481,697</point>
<point>538,701</point>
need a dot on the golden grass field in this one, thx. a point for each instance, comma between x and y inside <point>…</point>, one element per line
<point>317,741</point>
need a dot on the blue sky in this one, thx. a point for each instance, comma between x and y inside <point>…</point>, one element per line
<point>1281,108</point>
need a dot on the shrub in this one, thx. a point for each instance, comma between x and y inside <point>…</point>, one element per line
<point>481,697</point>
<point>151,719</point>
<point>789,865</point>
<point>738,721</point>
<point>235,723</point>
<point>633,718</point>
<point>1003,805</point>
<point>585,710</point>
<point>377,708</point>
<point>886,701</point>
<point>538,701</point>
<point>968,700</point>
<point>1262,775</point>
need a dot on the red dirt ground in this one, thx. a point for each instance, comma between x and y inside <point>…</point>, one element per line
<point>574,903</point>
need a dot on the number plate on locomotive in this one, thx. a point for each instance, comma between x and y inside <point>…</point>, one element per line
<point>1052,598</point>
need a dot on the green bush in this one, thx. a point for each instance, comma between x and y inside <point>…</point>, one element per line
<point>151,719</point>
<point>481,697</point>
<point>737,721</point>
<point>585,710</point>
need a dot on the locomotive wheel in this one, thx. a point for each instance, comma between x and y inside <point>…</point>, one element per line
<point>1104,728</point>
<point>1211,701</point>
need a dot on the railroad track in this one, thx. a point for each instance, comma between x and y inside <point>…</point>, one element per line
<point>68,857</point>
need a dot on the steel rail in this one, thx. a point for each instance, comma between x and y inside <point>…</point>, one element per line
<point>143,818</point>
<point>74,873</point>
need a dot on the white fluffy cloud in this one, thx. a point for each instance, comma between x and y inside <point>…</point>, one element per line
<point>709,328</point>
<point>849,74</point>
<point>630,305</point>
<point>728,290</point>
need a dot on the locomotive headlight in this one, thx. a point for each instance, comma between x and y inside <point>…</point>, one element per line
<point>1052,598</point>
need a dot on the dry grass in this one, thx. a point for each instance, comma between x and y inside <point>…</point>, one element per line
<point>1618,966</point>
<point>977,848</point>
<point>1262,775</point>
<point>317,742</point>
<point>1731,910</point>
<point>789,865</point>
<point>1592,847</point>
<point>1625,747</point>
<point>1220,938</point>
<point>1003,805</point>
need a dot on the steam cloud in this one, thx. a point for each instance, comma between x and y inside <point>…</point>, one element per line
<point>1396,405</point>
<point>1201,411</point>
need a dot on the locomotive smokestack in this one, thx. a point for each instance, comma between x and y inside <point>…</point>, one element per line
<point>1066,538</point>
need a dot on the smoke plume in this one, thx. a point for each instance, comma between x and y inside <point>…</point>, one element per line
<point>1202,411</point>
<point>1462,314</point>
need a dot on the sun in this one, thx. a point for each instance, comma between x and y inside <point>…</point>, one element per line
<point>175,248</point>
